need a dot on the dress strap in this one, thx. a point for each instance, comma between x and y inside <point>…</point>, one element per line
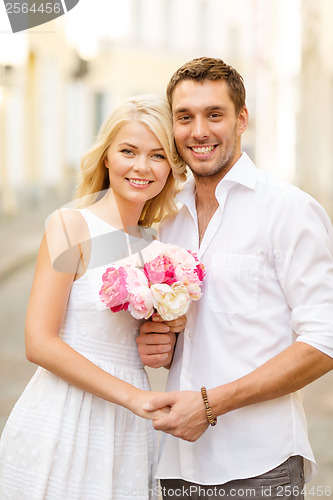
<point>109,244</point>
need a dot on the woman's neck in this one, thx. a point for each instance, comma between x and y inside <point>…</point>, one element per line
<point>120,213</point>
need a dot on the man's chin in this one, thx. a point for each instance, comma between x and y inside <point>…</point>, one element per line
<point>207,172</point>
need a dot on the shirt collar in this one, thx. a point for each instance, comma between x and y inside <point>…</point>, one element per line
<point>244,172</point>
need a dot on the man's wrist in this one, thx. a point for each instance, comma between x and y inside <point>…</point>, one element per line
<point>211,419</point>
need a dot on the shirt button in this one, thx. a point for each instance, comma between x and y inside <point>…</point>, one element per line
<point>187,377</point>
<point>189,334</point>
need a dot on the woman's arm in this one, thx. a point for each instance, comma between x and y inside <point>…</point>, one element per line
<point>45,315</point>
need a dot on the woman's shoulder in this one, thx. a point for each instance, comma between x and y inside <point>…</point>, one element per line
<point>66,230</point>
<point>67,221</point>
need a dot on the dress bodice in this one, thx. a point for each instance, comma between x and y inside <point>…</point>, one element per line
<point>89,326</point>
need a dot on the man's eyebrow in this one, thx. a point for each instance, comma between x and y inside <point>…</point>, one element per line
<point>213,107</point>
<point>181,110</point>
<point>218,107</point>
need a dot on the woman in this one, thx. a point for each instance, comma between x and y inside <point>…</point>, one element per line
<point>76,432</point>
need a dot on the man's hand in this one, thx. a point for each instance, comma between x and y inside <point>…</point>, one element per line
<point>156,341</point>
<point>187,418</point>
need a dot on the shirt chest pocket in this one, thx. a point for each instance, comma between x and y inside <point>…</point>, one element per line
<point>232,284</point>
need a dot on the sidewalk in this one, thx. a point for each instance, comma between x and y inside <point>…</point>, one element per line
<point>21,234</point>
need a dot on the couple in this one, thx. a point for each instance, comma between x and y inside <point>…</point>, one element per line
<point>261,331</point>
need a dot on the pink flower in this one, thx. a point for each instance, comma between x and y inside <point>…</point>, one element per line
<point>141,303</point>
<point>189,278</point>
<point>135,278</point>
<point>181,256</point>
<point>200,269</point>
<point>121,307</point>
<point>114,291</point>
<point>160,270</point>
<point>194,254</point>
<point>175,253</point>
<point>140,298</point>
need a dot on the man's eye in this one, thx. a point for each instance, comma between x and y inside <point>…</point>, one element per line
<point>215,115</point>
<point>184,118</point>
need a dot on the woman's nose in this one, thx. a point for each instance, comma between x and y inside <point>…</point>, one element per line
<point>141,164</point>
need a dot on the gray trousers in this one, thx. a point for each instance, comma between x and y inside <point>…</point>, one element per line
<point>285,482</point>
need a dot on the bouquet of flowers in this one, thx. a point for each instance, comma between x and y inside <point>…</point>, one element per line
<point>166,281</point>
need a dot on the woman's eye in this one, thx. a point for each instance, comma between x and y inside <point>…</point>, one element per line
<point>127,152</point>
<point>159,156</point>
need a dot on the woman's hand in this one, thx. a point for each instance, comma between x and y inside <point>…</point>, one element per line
<point>187,417</point>
<point>141,398</point>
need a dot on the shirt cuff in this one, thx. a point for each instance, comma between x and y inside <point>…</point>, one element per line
<point>314,326</point>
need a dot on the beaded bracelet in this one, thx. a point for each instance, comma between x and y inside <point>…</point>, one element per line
<point>210,418</point>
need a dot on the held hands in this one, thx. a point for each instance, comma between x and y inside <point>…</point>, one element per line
<point>186,418</point>
<point>141,399</point>
<point>156,341</point>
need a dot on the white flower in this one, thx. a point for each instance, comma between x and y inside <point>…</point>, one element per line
<point>170,301</point>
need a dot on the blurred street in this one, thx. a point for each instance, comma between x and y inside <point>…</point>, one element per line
<point>20,238</point>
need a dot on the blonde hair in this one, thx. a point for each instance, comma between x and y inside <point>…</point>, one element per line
<point>153,111</point>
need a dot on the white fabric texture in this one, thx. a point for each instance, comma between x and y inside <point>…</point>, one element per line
<point>61,443</point>
<point>268,255</point>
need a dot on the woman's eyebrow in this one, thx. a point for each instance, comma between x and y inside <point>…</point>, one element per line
<point>129,145</point>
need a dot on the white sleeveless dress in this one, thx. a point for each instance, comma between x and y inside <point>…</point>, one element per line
<point>62,443</point>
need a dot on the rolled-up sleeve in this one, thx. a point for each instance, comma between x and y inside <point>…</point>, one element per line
<point>302,245</point>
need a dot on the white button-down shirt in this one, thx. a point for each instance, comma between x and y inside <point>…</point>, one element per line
<point>268,256</point>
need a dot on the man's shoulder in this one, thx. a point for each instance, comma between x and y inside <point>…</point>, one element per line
<point>287,202</point>
<point>280,188</point>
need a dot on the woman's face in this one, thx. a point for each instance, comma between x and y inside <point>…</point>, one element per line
<point>138,168</point>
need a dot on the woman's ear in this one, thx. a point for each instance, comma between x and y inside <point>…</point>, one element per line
<point>106,163</point>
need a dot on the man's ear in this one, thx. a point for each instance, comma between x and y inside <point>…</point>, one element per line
<point>243,120</point>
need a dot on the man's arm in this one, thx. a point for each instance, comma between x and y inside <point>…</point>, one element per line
<point>289,371</point>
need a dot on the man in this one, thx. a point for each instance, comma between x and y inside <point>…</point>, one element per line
<point>264,326</point>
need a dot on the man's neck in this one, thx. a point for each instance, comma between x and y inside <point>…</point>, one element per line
<point>205,190</point>
<point>206,205</point>
<point>205,199</point>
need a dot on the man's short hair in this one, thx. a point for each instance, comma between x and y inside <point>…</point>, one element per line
<point>210,68</point>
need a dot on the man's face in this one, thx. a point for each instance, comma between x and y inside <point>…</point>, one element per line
<point>206,127</point>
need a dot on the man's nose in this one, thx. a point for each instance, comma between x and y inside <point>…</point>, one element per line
<point>199,128</point>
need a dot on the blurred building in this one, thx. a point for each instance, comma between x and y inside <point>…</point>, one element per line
<point>315,114</point>
<point>81,65</point>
